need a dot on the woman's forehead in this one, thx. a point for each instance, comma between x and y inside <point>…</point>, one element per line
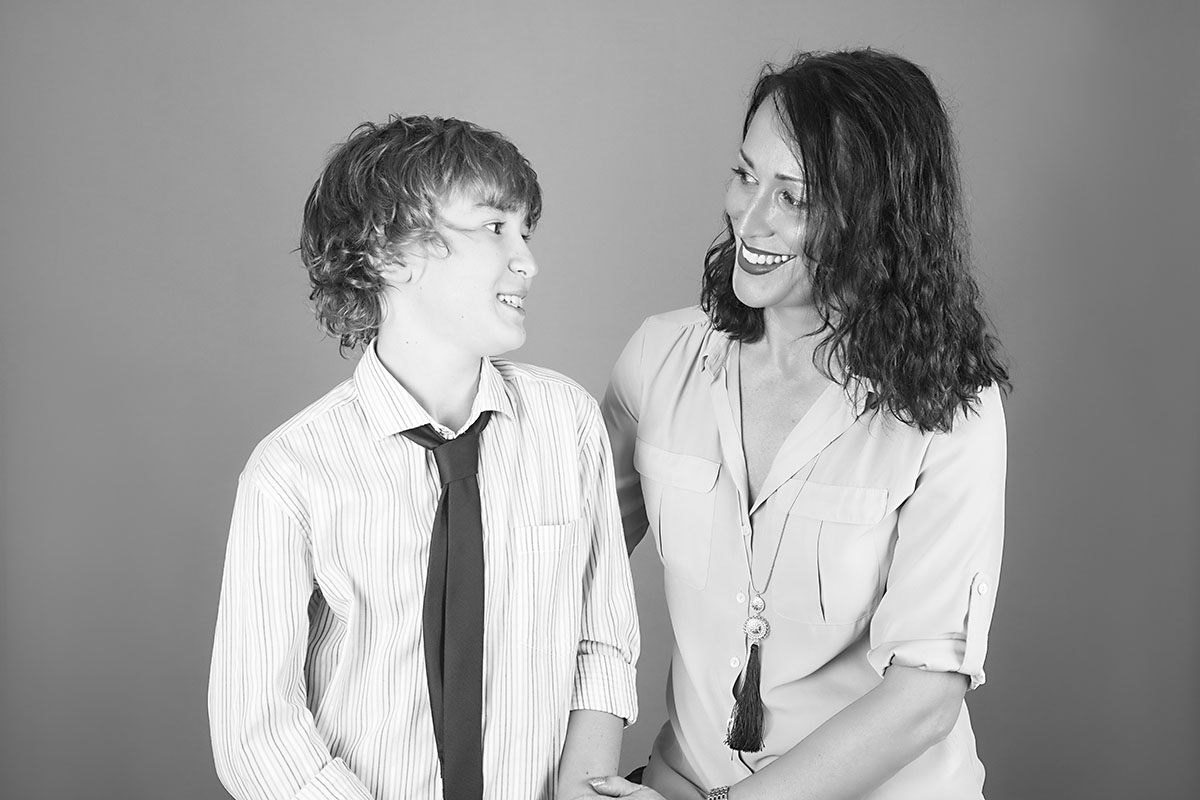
<point>768,145</point>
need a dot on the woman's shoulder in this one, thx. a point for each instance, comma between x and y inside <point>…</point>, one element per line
<point>689,328</point>
<point>980,423</point>
<point>683,335</point>
<point>668,349</point>
<point>686,317</point>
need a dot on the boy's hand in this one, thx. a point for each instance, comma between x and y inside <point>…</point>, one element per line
<point>616,786</point>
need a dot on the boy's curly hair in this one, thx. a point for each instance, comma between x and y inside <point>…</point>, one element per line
<point>380,193</point>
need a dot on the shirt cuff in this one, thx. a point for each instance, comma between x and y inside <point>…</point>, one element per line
<point>605,683</point>
<point>932,655</point>
<point>335,781</point>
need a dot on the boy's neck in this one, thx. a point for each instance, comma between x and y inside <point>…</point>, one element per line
<point>443,380</point>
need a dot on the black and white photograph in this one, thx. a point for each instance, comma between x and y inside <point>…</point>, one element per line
<point>662,400</point>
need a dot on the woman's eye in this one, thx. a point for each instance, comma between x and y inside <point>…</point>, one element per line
<point>743,176</point>
<point>792,201</point>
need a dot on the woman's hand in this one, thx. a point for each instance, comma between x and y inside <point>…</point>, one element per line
<point>616,786</point>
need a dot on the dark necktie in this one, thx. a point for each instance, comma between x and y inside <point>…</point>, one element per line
<point>453,613</point>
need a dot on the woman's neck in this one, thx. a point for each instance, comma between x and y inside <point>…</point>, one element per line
<point>789,339</point>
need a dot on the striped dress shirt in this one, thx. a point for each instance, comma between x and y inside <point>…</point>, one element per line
<point>318,685</point>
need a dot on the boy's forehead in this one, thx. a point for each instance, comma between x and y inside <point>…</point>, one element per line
<point>465,200</point>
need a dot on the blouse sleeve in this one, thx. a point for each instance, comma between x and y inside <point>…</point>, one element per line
<point>621,407</point>
<point>937,608</point>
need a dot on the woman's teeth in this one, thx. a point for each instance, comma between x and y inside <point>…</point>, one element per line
<point>512,300</point>
<point>762,259</point>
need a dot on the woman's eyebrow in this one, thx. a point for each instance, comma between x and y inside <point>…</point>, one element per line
<point>780,175</point>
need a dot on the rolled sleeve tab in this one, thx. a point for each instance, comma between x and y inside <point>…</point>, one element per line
<point>979,618</point>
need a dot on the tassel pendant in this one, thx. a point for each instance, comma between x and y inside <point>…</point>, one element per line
<point>746,723</point>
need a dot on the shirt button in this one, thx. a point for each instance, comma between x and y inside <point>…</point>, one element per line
<point>982,587</point>
<point>735,662</point>
<point>741,597</point>
<point>745,530</point>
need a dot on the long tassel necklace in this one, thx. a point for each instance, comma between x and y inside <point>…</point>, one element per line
<point>745,732</point>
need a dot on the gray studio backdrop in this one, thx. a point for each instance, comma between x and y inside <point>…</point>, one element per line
<point>154,157</point>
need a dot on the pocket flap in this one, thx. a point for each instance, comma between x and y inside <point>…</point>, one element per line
<point>545,538</point>
<point>851,504</point>
<point>693,473</point>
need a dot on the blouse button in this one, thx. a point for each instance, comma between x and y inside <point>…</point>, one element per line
<point>735,662</point>
<point>741,597</point>
<point>982,587</point>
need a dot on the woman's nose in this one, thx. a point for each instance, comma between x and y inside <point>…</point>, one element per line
<point>754,222</point>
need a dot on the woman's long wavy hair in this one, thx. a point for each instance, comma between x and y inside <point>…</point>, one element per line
<point>380,193</point>
<point>886,241</point>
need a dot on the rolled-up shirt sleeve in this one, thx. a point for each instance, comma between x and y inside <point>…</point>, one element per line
<point>941,588</point>
<point>605,678</point>
<point>265,743</point>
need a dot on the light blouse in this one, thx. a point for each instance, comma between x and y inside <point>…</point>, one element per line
<point>872,544</point>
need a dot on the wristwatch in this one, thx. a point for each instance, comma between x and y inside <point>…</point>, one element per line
<point>717,793</point>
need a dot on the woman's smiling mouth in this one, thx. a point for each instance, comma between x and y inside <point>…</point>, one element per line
<point>760,262</point>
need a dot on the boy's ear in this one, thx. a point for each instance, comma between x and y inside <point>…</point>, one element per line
<point>398,269</point>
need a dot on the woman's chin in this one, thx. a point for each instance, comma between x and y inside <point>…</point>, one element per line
<point>749,291</point>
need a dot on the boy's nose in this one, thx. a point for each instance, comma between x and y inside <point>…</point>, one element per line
<point>523,263</point>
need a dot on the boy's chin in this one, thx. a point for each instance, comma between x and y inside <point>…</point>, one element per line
<point>506,344</point>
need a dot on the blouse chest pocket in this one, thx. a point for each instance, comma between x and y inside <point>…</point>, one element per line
<point>836,553</point>
<point>680,494</point>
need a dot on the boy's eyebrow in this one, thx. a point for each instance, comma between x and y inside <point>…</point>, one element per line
<point>780,175</point>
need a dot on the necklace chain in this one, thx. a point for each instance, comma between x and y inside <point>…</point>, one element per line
<point>756,626</point>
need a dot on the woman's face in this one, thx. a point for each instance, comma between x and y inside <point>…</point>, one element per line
<point>766,204</point>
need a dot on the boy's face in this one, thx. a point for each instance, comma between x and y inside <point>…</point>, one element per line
<point>472,298</point>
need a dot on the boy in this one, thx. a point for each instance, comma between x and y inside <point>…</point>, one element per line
<point>426,592</point>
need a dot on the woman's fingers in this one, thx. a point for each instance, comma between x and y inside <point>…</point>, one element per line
<point>614,786</point>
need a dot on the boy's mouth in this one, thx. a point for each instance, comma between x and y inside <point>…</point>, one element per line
<point>760,262</point>
<point>512,301</point>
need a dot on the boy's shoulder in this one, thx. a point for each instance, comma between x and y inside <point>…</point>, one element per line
<point>527,379</point>
<point>288,439</point>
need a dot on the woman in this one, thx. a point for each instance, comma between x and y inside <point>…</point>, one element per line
<point>820,453</point>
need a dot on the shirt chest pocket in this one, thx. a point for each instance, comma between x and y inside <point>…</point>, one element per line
<point>545,575</point>
<point>833,555</point>
<point>680,494</point>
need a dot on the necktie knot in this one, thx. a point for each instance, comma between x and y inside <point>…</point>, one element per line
<point>456,458</point>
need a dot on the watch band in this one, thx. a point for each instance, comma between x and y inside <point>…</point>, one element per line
<point>718,793</point>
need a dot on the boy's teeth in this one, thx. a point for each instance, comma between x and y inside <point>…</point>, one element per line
<point>511,300</point>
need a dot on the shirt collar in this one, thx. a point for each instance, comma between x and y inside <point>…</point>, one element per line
<point>716,352</point>
<point>390,408</point>
<point>714,357</point>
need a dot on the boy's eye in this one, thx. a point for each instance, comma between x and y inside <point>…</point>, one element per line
<point>494,227</point>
